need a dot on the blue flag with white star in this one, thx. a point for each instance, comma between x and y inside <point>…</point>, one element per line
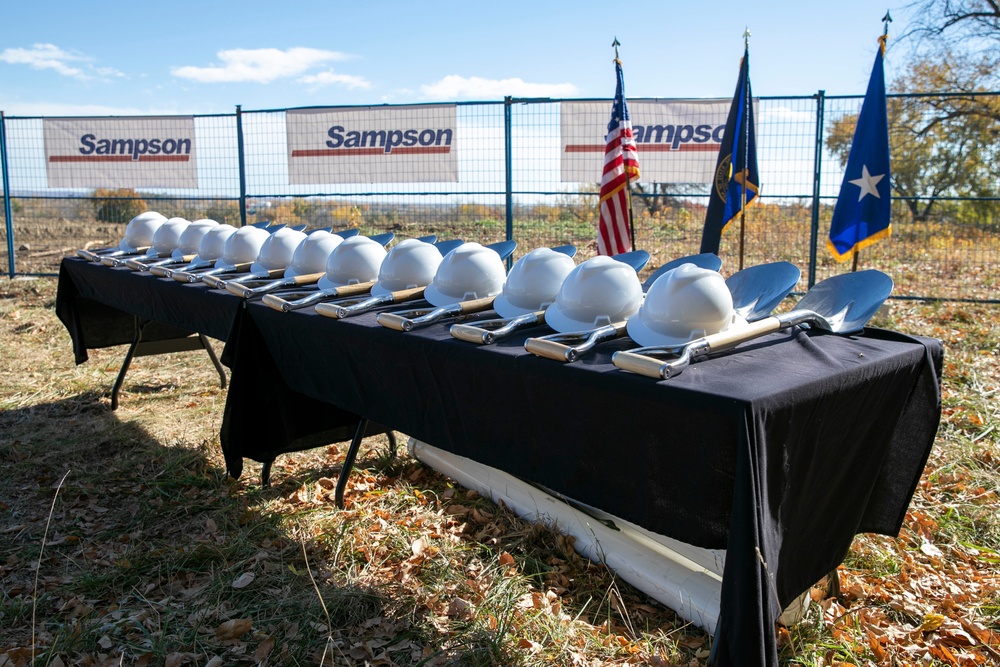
<point>864,206</point>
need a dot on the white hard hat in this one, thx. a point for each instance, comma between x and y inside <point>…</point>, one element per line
<point>277,251</point>
<point>311,255</point>
<point>596,293</point>
<point>241,247</point>
<point>356,260</point>
<point>191,237</point>
<point>684,303</point>
<point>410,263</point>
<point>213,243</point>
<point>468,272</point>
<point>140,229</point>
<point>167,236</point>
<point>533,282</point>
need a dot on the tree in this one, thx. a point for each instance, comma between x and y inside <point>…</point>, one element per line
<point>940,145</point>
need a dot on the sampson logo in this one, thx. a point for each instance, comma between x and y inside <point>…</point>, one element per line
<point>375,142</point>
<point>128,150</point>
<point>666,138</point>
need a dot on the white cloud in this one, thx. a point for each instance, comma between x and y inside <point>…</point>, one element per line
<point>331,78</point>
<point>50,56</point>
<point>455,87</point>
<point>258,65</point>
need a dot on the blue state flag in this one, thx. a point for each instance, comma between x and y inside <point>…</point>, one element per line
<point>863,212</point>
<point>736,182</point>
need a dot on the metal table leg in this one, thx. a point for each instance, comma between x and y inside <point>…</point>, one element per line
<point>352,454</point>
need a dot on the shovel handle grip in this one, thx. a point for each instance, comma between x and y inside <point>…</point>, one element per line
<point>476,305</point>
<point>275,302</point>
<point>737,335</point>
<point>640,364</point>
<point>241,291</point>
<point>392,321</point>
<point>547,348</point>
<point>468,333</point>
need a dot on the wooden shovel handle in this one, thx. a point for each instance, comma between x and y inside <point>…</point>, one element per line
<point>737,335</point>
<point>547,348</point>
<point>274,302</point>
<point>407,294</point>
<point>392,321</point>
<point>640,364</point>
<point>238,289</point>
<point>355,289</point>
<point>476,305</point>
<point>308,279</point>
<point>467,332</point>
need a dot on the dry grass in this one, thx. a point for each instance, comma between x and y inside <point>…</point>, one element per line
<point>154,556</point>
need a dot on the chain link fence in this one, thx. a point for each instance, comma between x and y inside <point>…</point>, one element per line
<point>945,242</point>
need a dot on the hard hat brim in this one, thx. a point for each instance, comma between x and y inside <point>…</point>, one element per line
<point>505,308</point>
<point>562,323</point>
<point>646,337</point>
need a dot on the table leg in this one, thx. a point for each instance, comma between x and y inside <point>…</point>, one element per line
<point>352,454</point>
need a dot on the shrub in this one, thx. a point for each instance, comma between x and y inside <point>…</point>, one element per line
<point>119,205</point>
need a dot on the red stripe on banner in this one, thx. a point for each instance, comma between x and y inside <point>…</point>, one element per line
<point>648,148</point>
<point>118,158</point>
<point>412,150</point>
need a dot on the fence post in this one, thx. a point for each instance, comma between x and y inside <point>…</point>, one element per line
<point>508,172</point>
<point>817,174</point>
<point>243,172</point>
<point>7,208</point>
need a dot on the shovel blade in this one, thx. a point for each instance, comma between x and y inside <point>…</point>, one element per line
<point>848,300</point>
<point>758,290</point>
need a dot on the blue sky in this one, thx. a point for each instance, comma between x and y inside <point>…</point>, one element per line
<point>81,58</point>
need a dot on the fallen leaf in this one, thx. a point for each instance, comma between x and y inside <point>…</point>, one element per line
<point>233,629</point>
<point>216,661</point>
<point>263,649</point>
<point>930,549</point>
<point>506,559</point>
<point>244,580</point>
<point>931,622</point>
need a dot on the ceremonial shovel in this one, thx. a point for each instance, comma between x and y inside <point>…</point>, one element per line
<point>140,265</point>
<point>756,291</point>
<point>342,308</point>
<point>842,304</point>
<point>487,332</point>
<point>98,255</point>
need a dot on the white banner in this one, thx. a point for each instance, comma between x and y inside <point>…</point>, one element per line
<point>372,144</point>
<point>137,152</point>
<point>677,140</point>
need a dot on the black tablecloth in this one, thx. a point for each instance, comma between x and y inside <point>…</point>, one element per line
<point>98,306</point>
<point>779,453</point>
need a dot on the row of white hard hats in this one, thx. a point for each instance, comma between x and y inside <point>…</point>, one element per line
<point>682,304</point>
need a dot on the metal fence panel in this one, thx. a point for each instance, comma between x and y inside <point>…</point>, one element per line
<point>944,242</point>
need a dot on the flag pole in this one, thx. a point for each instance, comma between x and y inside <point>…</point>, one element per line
<point>746,148</point>
<point>628,180</point>
<point>886,20</point>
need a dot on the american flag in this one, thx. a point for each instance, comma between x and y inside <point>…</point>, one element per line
<point>621,166</point>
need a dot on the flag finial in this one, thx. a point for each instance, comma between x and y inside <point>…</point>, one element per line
<point>615,44</point>
<point>886,20</point>
<point>746,37</point>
